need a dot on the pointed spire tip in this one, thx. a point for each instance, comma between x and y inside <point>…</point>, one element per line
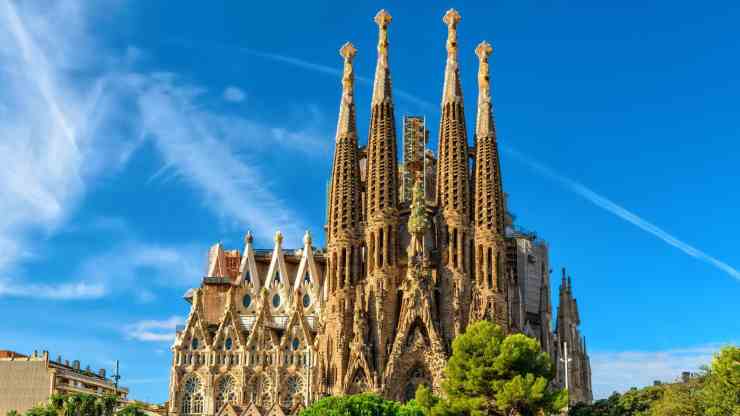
<point>383,18</point>
<point>452,18</point>
<point>348,51</point>
<point>483,50</point>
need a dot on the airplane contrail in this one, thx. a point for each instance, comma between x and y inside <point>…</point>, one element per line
<point>569,184</point>
<point>325,69</point>
<point>618,210</point>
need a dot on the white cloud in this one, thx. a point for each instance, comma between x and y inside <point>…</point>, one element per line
<point>195,144</point>
<point>153,330</point>
<point>621,212</point>
<point>619,371</point>
<point>73,110</point>
<point>234,94</point>
<point>62,291</point>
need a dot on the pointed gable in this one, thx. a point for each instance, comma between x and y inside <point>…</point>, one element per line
<point>248,273</point>
<point>227,410</point>
<point>276,410</point>
<point>307,283</point>
<point>251,410</point>
<point>230,327</point>
<point>277,284</point>
<point>195,326</point>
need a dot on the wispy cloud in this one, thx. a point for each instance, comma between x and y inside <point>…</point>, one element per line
<point>153,330</point>
<point>619,371</point>
<point>195,144</point>
<point>62,291</point>
<point>234,94</point>
<point>621,212</point>
<point>73,110</point>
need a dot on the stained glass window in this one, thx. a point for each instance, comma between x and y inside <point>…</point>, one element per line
<point>228,343</point>
<point>246,301</point>
<point>306,300</point>
<point>276,301</point>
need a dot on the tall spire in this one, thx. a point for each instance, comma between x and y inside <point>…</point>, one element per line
<point>382,168</point>
<point>489,195</point>
<point>453,187</point>
<point>452,178</point>
<point>346,122</point>
<point>382,83</point>
<point>344,201</point>
<point>381,215</point>
<point>452,89</point>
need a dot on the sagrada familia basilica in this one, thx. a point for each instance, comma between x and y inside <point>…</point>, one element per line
<point>414,253</point>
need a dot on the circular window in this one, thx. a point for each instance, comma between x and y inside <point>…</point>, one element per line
<point>247,301</point>
<point>296,343</point>
<point>306,300</point>
<point>276,301</point>
<point>228,343</point>
<point>194,343</point>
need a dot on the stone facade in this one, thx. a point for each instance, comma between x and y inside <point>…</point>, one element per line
<point>26,381</point>
<point>413,254</point>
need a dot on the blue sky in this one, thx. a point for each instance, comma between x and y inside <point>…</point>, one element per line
<point>134,134</point>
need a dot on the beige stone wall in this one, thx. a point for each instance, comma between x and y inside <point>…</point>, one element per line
<point>23,384</point>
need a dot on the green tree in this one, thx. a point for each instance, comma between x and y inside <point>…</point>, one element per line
<point>12,413</point>
<point>131,410</point>
<point>490,374</point>
<point>720,394</point>
<point>637,402</point>
<point>365,404</point>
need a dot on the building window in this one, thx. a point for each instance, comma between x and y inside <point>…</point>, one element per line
<point>228,343</point>
<point>192,396</point>
<point>246,301</point>
<point>293,388</point>
<point>306,300</point>
<point>194,344</point>
<point>307,278</point>
<point>296,343</point>
<point>247,277</point>
<point>225,391</point>
<point>276,300</point>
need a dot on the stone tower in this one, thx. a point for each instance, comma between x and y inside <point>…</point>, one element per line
<point>344,237</point>
<point>569,338</point>
<point>453,191</point>
<point>381,201</point>
<point>491,282</point>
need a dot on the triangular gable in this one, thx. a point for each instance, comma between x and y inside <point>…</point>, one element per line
<point>308,274</point>
<point>277,274</point>
<point>194,323</point>
<point>264,317</point>
<point>251,410</point>
<point>276,410</point>
<point>216,261</point>
<point>227,410</point>
<point>230,323</point>
<point>248,274</point>
<point>298,322</point>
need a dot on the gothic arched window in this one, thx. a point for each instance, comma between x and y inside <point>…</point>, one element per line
<point>225,391</point>
<point>192,396</point>
<point>293,388</point>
